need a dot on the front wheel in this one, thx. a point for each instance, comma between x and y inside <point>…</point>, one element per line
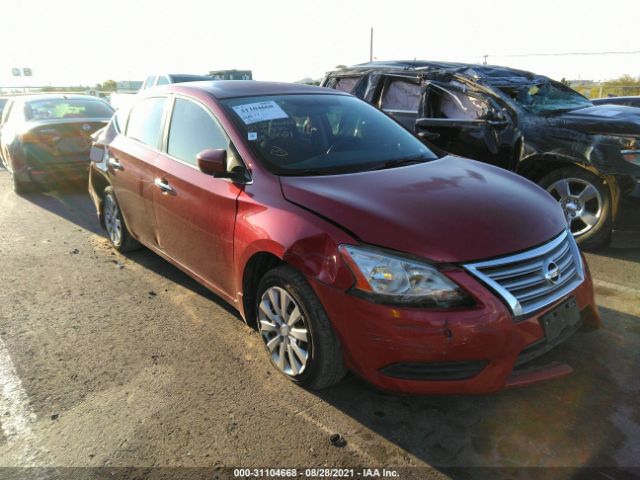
<point>586,202</point>
<point>296,330</point>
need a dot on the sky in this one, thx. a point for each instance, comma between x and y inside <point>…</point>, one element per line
<point>84,42</point>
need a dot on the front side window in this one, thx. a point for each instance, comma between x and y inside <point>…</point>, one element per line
<point>401,96</point>
<point>145,121</point>
<point>193,130</point>
<point>163,81</point>
<point>66,108</point>
<point>6,112</point>
<point>149,82</point>
<point>457,105</point>
<point>323,134</point>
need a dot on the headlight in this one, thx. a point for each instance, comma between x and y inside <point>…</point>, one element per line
<point>630,150</point>
<point>397,280</point>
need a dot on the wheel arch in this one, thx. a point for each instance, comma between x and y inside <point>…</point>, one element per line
<point>254,269</point>
<point>99,183</point>
<point>537,166</point>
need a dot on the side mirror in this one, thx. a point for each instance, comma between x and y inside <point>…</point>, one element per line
<point>425,135</point>
<point>213,162</point>
<point>98,152</point>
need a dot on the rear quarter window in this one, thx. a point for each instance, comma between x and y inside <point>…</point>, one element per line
<point>145,121</point>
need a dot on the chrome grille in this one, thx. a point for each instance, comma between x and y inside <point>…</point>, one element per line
<point>536,278</point>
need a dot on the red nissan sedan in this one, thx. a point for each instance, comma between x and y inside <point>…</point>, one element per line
<point>343,239</point>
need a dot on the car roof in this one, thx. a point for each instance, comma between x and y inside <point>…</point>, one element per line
<point>248,88</point>
<point>56,96</point>
<point>490,73</point>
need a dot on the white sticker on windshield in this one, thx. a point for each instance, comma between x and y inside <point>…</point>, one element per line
<point>252,136</point>
<point>260,112</point>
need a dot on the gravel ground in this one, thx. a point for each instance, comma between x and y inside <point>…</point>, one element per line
<point>109,360</point>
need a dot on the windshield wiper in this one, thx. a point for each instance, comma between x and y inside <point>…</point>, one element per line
<point>399,162</point>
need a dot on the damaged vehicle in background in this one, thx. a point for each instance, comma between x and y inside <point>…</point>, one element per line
<point>45,140</point>
<point>587,157</point>
<point>342,238</point>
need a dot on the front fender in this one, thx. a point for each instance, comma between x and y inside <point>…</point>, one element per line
<point>294,235</point>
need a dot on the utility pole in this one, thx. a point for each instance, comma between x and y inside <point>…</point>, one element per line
<point>484,62</point>
<point>371,46</point>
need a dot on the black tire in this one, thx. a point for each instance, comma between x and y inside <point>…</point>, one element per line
<point>123,242</point>
<point>21,187</point>
<point>325,366</point>
<point>587,236</point>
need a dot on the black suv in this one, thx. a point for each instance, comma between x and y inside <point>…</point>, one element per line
<point>586,156</point>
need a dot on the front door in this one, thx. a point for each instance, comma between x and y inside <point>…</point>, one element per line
<point>400,98</point>
<point>195,212</point>
<point>467,123</point>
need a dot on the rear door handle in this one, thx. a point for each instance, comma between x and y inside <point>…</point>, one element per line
<point>162,185</point>
<point>115,164</point>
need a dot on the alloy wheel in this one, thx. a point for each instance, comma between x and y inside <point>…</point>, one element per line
<point>284,330</point>
<point>112,220</point>
<point>581,202</point>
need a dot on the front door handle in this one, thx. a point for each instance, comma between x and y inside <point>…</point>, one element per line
<point>162,185</point>
<point>115,164</point>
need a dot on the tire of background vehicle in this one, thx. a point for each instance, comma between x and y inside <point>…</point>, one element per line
<point>114,224</point>
<point>21,187</point>
<point>324,365</point>
<point>580,180</point>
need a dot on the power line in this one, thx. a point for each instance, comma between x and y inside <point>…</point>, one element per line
<point>566,54</point>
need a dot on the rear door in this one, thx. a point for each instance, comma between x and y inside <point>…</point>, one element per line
<point>400,98</point>
<point>131,164</point>
<point>5,139</point>
<point>195,213</point>
<point>466,123</point>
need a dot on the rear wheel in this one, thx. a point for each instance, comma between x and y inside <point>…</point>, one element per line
<point>586,202</point>
<point>117,231</point>
<point>21,187</point>
<point>296,330</point>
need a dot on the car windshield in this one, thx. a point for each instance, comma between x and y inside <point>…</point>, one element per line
<point>546,97</point>
<point>67,108</point>
<point>323,134</point>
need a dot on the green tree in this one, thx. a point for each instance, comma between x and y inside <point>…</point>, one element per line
<point>625,85</point>
<point>110,85</point>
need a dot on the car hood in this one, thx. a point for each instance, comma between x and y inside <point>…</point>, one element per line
<point>601,119</point>
<point>447,210</point>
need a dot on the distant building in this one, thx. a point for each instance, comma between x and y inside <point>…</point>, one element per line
<point>231,74</point>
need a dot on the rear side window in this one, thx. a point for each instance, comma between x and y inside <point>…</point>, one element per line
<point>192,131</point>
<point>145,121</point>
<point>401,96</point>
<point>346,84</point>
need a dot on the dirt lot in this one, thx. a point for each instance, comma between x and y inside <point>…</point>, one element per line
<point>111,360</point>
